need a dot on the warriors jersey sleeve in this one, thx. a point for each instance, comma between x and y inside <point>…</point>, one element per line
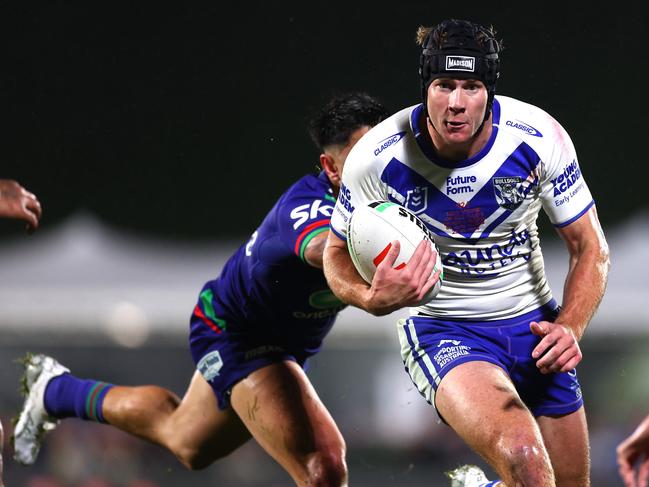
<point>564,193</point>
<point>304,213</point>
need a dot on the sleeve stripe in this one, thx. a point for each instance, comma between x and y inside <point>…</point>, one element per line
<point>338,234</point>
<point>308,239</point>
<point>315,226</point>
<point>577,217</point>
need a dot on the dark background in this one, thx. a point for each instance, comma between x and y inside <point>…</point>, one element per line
<point>187,121</point>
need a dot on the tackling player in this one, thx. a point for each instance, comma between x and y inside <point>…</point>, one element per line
<point>493,352</point>
<point>251,333</point>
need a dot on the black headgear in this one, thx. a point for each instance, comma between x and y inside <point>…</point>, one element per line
<point>460,49</point>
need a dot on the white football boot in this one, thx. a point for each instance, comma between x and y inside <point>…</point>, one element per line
<point>33,421</point>
<point>467,476</point>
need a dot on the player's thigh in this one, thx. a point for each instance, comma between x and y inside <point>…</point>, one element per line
<point>566,439</point>
<point>282,410</point>
<point>202,431</point>
<point>478,400</point>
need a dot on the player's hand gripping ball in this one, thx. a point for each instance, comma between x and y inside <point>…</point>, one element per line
<point>371,231</point>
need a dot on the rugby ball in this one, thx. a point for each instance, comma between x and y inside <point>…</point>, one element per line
<point>372,229</point>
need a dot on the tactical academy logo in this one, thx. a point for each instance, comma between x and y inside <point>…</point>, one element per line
<point>460,63</point>
<point>509,191</point>
<point>417,199</point>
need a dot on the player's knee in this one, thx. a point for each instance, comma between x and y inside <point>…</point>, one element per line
<point>192,458</point>
<point>328,468</point>
<point>528,462</point>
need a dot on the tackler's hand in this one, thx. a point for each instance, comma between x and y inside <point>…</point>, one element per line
<point>17,202</point>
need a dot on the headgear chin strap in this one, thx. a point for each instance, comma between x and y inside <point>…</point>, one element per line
<point>460,49</point>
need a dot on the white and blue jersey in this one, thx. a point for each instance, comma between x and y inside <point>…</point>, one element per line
<point>483,213</point>
<point>482,210</point>
<point>267,304</point>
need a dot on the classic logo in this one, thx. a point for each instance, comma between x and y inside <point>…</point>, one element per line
<point>417,199</point>
<point>210,365</point>
<point>388,141</point>
<point>460,63</point>
<point>528,129</point>
<point>509,191</point>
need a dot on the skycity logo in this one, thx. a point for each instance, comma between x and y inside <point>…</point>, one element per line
<point>460,63</point>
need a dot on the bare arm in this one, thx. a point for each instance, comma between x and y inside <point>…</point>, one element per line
<point>583,291</point>
<point>635,450</point>
<point>587,274</point>
<point>315,249</point>
<point>17,202</point>
<point>391,289</point>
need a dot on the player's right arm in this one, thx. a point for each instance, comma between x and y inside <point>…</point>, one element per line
<point>391,288</point>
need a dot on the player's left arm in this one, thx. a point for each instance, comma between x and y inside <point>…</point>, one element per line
<point>558,350</point>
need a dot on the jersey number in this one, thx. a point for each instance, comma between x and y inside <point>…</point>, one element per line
<point>251,242</point>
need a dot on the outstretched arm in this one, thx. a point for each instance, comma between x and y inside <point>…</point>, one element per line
<point>17,202</point>
<point>391,289</point>
<point>633,451</point>
<point>583,290</point>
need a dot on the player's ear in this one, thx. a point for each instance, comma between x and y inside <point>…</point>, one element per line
<point>330,168</point>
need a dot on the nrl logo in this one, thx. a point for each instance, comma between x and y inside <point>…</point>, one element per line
<point>417,200</point>
<point>509,191</point>
<point>210,365</point>
<point>460,63</point>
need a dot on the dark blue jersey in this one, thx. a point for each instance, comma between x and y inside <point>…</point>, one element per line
<point>267,285</point>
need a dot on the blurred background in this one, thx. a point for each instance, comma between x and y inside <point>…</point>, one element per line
<point>157,136</point>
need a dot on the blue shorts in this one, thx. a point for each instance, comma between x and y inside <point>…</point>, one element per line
<point>226,356</point>
<point>431,347</point>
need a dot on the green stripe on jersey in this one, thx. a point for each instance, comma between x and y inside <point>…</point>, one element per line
<point>206,299</point>
<point>308,238</point>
